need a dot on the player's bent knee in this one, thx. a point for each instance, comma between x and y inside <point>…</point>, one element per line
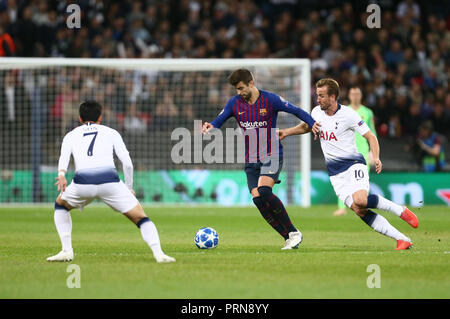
<point>358,203</point>
<point>358,211</point>
<point>266,181</point>
<point>136,214</point>
<point>265,192</point>
<point>62,204</point>
<point>258,201</point>
<point>360,200</point>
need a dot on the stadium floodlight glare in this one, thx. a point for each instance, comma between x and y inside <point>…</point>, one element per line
<point>45,82</point>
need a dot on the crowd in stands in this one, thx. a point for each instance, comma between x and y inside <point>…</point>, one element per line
<point>402,67</point>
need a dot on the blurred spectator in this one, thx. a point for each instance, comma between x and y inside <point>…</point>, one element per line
<point>412,121</point>
<point>26,34</point>
<point>413,69</point>
<point>12,11</point>
<point>109,118</point>
<point>408,8</point>
<point>435,69</point>
<point>15,117</point>
<point>14,103</point>
<point>428,149</point>
<point>441,121</point>
<point>134,122</point>
<point>415,93</point>
<point>61,112</point>
<point>394,55</point>
<point>361,70</point>
<point>427,106</point>
<point>316,61</point>
<point>166,113</point>
<point>7,46</point>
<point>394,126</point>
<point>334,52</point>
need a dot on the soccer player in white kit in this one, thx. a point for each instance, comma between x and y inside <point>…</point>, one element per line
<point>92,146</point>
<point>346,167</point>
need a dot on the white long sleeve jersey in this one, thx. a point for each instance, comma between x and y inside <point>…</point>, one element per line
<point>92,147</point>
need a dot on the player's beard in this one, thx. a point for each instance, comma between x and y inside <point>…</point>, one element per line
<point>247,97</point>
<point>325,106</point>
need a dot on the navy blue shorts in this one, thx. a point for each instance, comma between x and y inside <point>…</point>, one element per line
<point>266,168</point>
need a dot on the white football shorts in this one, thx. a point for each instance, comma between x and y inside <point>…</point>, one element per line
<point>116,195</point>
<point>345,184</point>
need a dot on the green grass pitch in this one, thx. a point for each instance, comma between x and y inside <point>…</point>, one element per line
<point>115,262</point>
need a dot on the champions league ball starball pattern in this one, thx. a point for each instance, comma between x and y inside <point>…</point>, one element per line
<point>206,238</point>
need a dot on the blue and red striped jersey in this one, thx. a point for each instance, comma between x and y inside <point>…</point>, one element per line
<point>258,122</point>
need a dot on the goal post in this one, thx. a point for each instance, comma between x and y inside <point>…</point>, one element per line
<point>305,79</point>
<point>145,100</point>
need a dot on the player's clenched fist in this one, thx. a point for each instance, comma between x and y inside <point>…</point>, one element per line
<point>206,127</point>
<point>281,134</point>
<point>316,129</point>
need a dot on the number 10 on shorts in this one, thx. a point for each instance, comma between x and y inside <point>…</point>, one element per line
<point>359,174</point>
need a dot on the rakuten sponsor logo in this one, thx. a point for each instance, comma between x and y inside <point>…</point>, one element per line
<point>249,125</point>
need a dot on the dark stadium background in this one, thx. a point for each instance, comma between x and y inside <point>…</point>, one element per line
<point>402,67</point>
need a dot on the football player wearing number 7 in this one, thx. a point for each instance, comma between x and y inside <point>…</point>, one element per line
<point>92,146</point>
<point>346,167</point>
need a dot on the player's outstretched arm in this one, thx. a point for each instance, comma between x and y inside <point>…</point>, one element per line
<point>302,128</point>
<point>223,116</point>
<point>285,106</point>
<point>375,149</point>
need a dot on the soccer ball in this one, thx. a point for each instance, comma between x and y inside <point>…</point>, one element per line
<point>206,238</point>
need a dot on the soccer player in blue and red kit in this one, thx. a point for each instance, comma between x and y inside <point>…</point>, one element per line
<point>256,113</point>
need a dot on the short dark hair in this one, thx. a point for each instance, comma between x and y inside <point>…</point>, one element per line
<point>239,75</point>
<point>90,111</point>
<point>332,86</point>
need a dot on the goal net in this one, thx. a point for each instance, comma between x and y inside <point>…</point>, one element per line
<point>154,104</point>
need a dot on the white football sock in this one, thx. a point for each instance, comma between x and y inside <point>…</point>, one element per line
<point>63,223</point>
<point>390,206</point>
<point>150,235</point>
<point>382,226</point>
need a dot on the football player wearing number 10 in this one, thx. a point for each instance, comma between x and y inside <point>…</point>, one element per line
<point>92,146</point>
<point>355,97</point>
<point>346,167</point>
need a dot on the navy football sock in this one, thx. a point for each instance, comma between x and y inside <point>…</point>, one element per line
<point>276,207</point>
<point>264,209</point>
<point>376,201</point>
